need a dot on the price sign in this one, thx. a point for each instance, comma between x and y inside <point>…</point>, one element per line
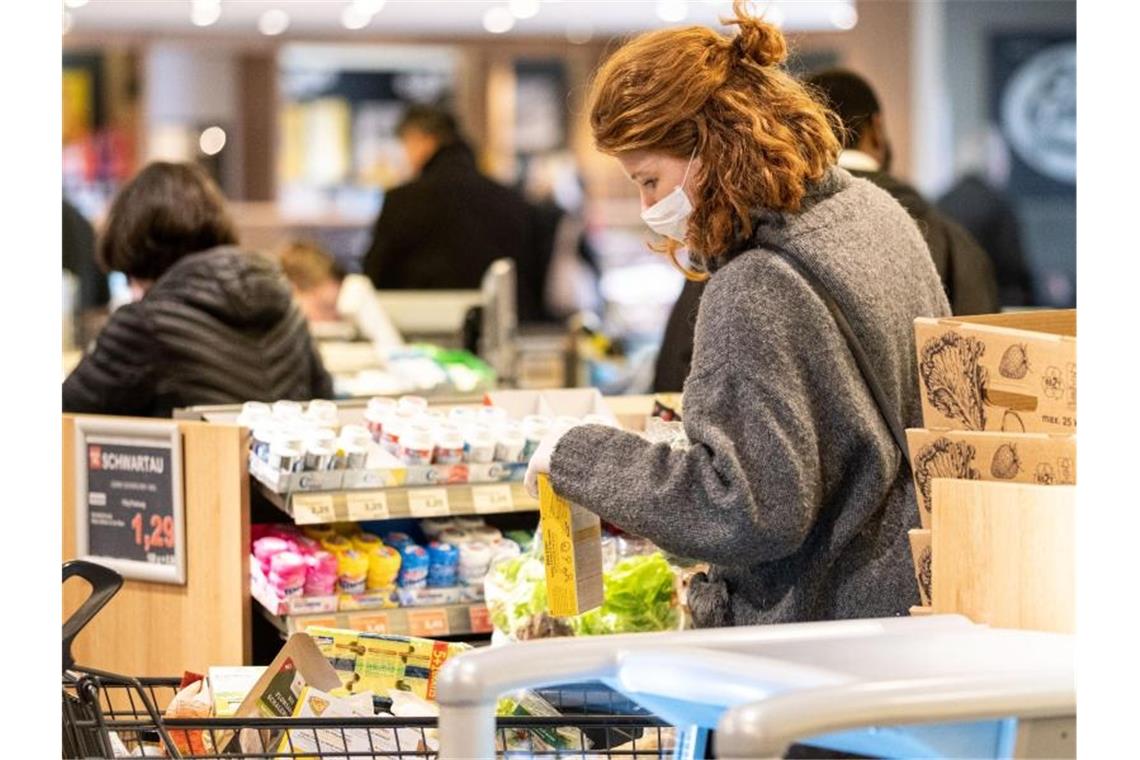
<point>325,622</point>
<point>495,498</point>
<point>313,508</point>
<point>129,498</point>
<point>367,505</point>
<point>480,619</point>
<point>427,502</point>
<point>370,623</point>
<point>428,623</point>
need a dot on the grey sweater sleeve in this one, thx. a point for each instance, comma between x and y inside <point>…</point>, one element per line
<point>748,487</point>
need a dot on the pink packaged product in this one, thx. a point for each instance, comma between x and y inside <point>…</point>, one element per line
<point>320,580</point>
<point>265,548</point>
<point>287,572</point>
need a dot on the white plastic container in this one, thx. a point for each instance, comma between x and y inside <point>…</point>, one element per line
<point>253,414</point>
<point>416,446</point>
<point>262,438</point>
<point>474,561</point>
<point>412,403</point>
<point>287,410</point>
<point>510,444</point>
<point>323,412</point>
<point>318,457</point>
<point>433,527</point>
<point>448,445</point>
<point>284,457</point>
<point>479,445</point>
<point>356,456</point>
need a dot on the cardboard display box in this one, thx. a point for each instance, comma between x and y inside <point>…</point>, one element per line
<point>1013,372</point>
<point>920,551</point>
<point>972,455</point>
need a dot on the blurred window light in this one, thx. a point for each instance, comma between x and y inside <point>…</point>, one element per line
<point>369,7</point>
<point>75,3</point>
<point>579,32</point>
<point>524,8</point>
<point>672,11</point>
<point>352,17</point>
<point>273,22</point>
<point>205,12</point>
<point>212,140</point>
<point>68,22</point>
<point>844,17</point>
<point>498,20</point>
<point>774,15</point>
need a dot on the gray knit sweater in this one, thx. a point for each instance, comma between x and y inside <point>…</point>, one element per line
<point>792,487</point>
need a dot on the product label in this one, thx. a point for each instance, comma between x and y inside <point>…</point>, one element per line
<point>371,623</point>
<point>480,619</point>
<point>572,551</point>
<point>428,502</point>
<point>490,499</point>
<point>280,696</point>
<point>367,505</point>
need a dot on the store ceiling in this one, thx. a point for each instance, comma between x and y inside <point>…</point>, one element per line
<point>577,19</point>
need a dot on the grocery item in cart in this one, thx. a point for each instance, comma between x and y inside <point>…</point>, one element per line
<point>380,662</point>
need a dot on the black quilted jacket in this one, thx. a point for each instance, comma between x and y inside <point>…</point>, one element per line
<point>218,327</point>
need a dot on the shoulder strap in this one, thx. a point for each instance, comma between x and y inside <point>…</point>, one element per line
<point>894,424</point>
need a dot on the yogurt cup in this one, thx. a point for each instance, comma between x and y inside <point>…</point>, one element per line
<point>448,445</point>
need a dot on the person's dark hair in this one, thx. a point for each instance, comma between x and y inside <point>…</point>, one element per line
<point>166,212</point>
<point>431,120</point>
<point>848,95</point>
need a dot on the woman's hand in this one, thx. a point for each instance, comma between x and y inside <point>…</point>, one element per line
<point>540,460</point>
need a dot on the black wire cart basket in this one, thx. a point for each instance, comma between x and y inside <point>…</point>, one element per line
<point>106,715</point>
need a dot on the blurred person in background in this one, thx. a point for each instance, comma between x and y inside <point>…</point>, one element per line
<point>443,229</point>
<point>566,270</point>
<point>93,294</point>
<point>326,293</point>
<point>210,324</point>
<point>788,483</point>
<point>978,203</point>
<point>966,270</point>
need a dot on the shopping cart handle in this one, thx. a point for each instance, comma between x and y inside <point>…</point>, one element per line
<point>105,583</point>
<point>766,728</point>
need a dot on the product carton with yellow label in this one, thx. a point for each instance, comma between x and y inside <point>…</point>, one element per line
<point>572,547</point>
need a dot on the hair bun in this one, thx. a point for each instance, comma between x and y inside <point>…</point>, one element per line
<point>758,40</point>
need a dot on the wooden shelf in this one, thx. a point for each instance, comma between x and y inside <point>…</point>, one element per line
<point>313,507</point>
<point>427,622</point>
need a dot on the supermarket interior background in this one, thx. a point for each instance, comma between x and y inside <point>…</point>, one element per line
<point>299,111</point>
<point>292,107</point>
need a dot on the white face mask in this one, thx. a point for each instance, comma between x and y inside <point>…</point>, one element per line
<point>670,215</point>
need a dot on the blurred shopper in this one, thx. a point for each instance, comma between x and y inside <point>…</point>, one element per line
<point>445,227</point>
<point>790,484</point>
<point>210,324</point>
<point>92,292</point>
<point>326,293</point>
<point>966,271</point>
<point>565,267</point>
<point>977,202</point>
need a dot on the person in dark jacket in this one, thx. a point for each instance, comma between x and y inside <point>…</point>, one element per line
<point>966,270</point>
<point>211,323</point>
<point>990,217</point>
<point>445,227</point>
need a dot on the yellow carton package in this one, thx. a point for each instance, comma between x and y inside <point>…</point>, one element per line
<point>379,662</point>
<point>572,549</point>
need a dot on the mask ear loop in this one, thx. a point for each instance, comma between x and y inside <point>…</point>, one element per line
<point>689,166</point>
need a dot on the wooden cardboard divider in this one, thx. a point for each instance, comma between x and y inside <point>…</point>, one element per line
<point>1003,553</point>
<point>921,554</point>
<point>1013,372</point>
<point>974,455</point>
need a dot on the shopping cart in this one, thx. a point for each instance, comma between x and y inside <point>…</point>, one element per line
<point>107,715</point>
<point>937,686</point>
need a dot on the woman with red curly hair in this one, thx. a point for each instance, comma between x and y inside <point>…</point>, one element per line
<point>790,486</point>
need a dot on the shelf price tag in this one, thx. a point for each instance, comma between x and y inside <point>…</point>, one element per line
<point>377,623</point>
<point>428,623</point>
<point>495,498</point>
<point>427,502</point>
<point>367,505</point>
<point>313,508</point>
<point>480,619</point>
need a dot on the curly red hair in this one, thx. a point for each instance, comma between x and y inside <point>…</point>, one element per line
<point>761,135</point>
